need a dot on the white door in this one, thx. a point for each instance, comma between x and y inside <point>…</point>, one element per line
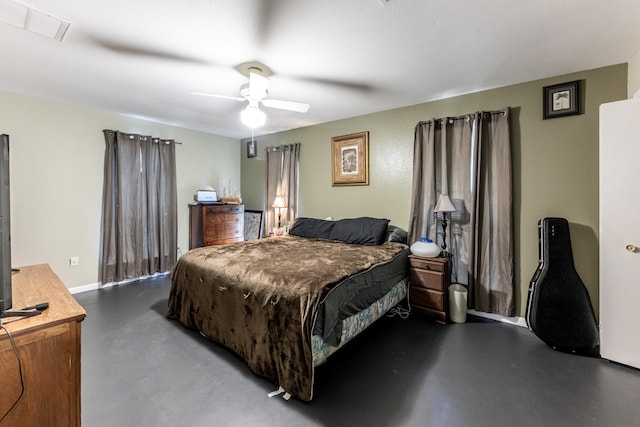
<point>620,231</point>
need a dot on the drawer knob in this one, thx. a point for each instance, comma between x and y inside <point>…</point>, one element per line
<point>631,248</point>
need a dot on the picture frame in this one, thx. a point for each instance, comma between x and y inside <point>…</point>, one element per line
<point>252,149</point>
<point>350,159</point>
<point>561,100</point>
<point>253,227</point>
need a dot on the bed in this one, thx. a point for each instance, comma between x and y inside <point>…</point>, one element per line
<point>285,304</point>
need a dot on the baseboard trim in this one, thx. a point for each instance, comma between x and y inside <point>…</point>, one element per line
<point>516,321</point>
<point>96,286</point>
<point>84,288</point>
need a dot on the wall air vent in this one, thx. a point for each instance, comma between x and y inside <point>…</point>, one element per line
<point>36,21</point>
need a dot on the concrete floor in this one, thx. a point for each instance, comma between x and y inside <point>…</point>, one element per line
<point>141,369</point>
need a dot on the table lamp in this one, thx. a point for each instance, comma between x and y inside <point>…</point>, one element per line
<point>444,205</point>
<point>278,204</point>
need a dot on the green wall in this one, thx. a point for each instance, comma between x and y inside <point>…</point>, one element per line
<point>57,162</point>
<point>555,166</point>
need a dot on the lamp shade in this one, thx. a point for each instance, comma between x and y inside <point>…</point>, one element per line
<point>278,203</point>
<point>253,116</point>
<point>444,204</point>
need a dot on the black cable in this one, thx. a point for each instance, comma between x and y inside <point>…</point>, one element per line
<point>15,351</point>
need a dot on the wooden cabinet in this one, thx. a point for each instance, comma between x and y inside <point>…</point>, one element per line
<point>429,280</point>
<point>215,225</point>
<point>49,348</point>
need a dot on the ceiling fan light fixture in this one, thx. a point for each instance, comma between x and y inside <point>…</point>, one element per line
<point>253,116</point>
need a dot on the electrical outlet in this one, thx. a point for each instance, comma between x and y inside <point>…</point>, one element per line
<point>74,261</point>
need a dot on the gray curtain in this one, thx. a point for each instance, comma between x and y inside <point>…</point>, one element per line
<point>283,164</point>
<point>477,164</point>
<point>139,209</point>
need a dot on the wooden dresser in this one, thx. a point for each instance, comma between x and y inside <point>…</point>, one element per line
<point>49,347</point>
<point>429,280</point>
<point>215,225</point>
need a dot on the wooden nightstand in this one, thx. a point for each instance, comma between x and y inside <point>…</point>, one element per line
<point>429,280</point>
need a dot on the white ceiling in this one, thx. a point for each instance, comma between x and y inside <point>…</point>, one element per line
<point>344,57</point>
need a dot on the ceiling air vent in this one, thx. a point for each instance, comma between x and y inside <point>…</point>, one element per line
<point>24,16</point>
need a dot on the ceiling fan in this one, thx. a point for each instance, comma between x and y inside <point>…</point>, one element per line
<point>255,92</point>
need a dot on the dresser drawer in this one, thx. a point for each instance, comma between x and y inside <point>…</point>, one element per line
<point>233,230</point>
<point>223,230</point>
<point>219,209</point>
<point>223,241</point>
<point>212,233</point>
<point>233,219</point>
<point>426,298</point>
<point>212,220</point>
<point>231,240</point>
<point>426,279</point>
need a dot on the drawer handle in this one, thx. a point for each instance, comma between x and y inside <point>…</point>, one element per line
<point>631,248</point>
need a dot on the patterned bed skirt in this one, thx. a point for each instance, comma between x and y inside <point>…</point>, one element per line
<point>357,323</point>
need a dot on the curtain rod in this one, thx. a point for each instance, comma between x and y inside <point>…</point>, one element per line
<point>143,137</point>
<point>464,117</point>
<point>280,147</point>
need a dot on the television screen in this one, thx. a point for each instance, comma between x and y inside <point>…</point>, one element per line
<point>5,227</point>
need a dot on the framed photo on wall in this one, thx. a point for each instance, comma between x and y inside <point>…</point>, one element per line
<point>561,100</point>
<point>252,150</point>
<point>350,159</point>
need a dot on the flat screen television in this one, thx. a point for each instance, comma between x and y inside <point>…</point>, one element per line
<point>5,227</point>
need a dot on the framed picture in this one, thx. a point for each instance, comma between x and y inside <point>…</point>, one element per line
<point>252,224</point>
<point>561,100</point>
<point>350,159</point>
<point>251,148</point>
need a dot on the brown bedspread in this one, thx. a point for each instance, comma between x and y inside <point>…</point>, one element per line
<point>258,298</point>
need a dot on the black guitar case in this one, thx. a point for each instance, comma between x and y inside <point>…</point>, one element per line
<point>559,310</point>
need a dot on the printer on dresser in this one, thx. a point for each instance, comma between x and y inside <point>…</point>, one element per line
<point>215,224</point>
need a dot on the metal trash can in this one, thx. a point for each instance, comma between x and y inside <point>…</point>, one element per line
<point>458,303</point>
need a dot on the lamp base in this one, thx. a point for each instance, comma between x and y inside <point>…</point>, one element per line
<point>444,234</point>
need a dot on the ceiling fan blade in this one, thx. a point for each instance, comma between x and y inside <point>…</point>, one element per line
<point>133,50</point>
<point>258,85</point>
<point>299,107</point>
<point>213,95</point>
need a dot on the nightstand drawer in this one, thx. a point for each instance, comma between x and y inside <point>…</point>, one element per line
<point>426,279</point>
<point>434,264</point>
<point>426,298</point>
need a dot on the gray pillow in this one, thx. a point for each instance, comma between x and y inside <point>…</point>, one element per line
<point>312,227</point>
<point>361,231</point>
<point>396,234</point>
